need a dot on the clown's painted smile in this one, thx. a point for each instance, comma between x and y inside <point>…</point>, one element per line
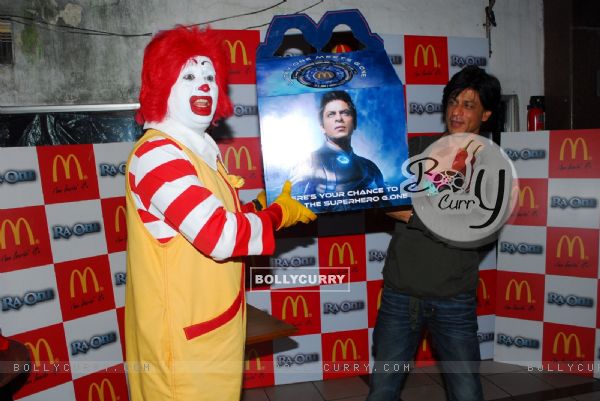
<point>201,105</point>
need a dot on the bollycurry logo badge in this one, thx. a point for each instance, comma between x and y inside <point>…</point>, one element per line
<point>464,188</point>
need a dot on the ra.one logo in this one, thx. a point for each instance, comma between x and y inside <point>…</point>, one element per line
<point>16,176</point>
<point>345,306</point>
<point>298,359</point>
<point>120,278</point>
<point>575,202</point>
<point>240,110</point>
<point>570,300</point>
<point>525,154</point>
<point>295,261</point>
<point>376,255</point>
<point>78,229</point>
<point>461,61</point>
<point>420,108</point>
<point>97,341</point>
<point>485,337</point>
<point>519,342</point>
<point>30,298</point>
<point>111,170</point>
<point>522,248</point>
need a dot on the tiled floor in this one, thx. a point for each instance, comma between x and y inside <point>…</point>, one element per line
<point>501,382</point>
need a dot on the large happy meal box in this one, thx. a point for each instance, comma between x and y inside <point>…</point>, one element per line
<point>332,121</point>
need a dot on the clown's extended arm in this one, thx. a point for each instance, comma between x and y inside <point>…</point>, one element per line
<point>171,199</point>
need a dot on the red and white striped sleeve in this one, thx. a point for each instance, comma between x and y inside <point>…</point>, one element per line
<point>171,199</point>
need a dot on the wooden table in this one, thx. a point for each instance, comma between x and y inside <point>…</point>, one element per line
<point>263,327</point>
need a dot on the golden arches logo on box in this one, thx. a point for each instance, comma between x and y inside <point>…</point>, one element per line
<point>83,280</point>
<point>484,292</point>
<point>97,392</point>
<point>119,216</point>
<point>66,165</point>
<point>237,157</point>
<point>252,353</point>
<point>233,51</point>
<point>16,229</point>
<point>341,251</point>
<point>566,340</point>
<point>518,290</point>
<point>424,51</point>
<point>573,147</point>
<point>294,301</point>
<point>343,347</point>
<point>36,351</point>
<point>526,190</point>
<point>571,246</point>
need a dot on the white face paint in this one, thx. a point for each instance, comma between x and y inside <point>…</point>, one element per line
<point>193,98</point>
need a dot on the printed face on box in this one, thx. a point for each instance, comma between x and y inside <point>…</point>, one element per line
<point>193,98</point>
<point>337,120</point>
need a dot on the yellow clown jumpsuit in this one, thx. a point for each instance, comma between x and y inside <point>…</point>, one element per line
<point>185,312</point>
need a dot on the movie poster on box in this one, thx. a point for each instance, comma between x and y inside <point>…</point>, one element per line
<point>333,124</point>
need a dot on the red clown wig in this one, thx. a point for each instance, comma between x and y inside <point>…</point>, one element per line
<point>164,57</point>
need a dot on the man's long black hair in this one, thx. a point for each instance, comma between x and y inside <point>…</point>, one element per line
<point>488,88</point>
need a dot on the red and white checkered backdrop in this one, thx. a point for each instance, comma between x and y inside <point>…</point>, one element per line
<point>547,282</point>
<point>63,236</point>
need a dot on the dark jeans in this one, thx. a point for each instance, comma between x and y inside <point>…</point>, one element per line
<point>452,323</point>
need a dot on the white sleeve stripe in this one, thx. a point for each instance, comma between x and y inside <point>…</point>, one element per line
<point>155,158</point>
<point>226,243</point>
<point>255,246</point>
<point>170,191</point>
<point>159,230</point>
<point>198,216</point>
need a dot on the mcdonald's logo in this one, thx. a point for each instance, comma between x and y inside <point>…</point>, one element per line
<point>83,280</point>
<point>574,145</point>
<point>484,292</point>
<point>66,163</point>
<point>343,347</point>
<point>294,302</point>
<point>35,351</point>
<point>16,231</point>
<point>567,344</point>
<point>118,213</point>
<point>100,391</point>
<point>253,353</point>
<point>570,246</point>
<point>341,253</point>
<point>233,50</point>
<point>424,51</point>
<point>237,155</point>
<point>518,289</point>
<point>526,191</point>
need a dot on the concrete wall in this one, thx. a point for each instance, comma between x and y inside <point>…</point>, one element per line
<point>56,68</point>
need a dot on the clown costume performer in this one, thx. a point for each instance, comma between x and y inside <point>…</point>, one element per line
<point>184,306</point>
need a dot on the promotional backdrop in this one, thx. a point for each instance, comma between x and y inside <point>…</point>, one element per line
<point>548,277</point>
<point>63,236</point>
